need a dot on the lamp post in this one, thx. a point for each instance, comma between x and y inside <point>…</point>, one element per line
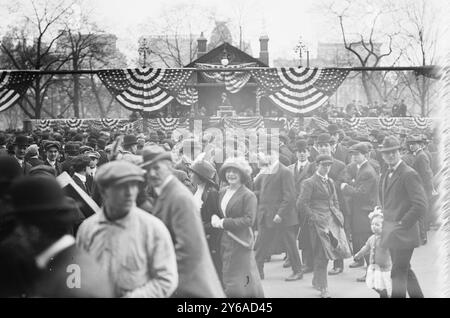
<point>143,50</point>
<point>301,46</point>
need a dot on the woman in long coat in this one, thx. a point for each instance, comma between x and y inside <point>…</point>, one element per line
<point>207,196</point>
<point>318,201</point>
<point>238,206</point>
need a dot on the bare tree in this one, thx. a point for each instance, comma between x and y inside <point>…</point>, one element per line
<point>420,31</point>
<point>39,25</point>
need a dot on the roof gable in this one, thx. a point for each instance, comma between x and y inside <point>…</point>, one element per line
<point>237,56</point>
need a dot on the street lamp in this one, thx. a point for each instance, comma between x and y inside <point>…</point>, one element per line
<point>299,48</point>
<point>143,50</point>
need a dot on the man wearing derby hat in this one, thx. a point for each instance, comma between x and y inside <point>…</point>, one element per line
<point>318,201</point>
<point>52,149</point>
<point>59,268</point>
<point>176,207</point>
<point>131,245</point>
<point>362,194</point>
<point>20,146</point>
<point>403,202</point>
<point>129,150</point>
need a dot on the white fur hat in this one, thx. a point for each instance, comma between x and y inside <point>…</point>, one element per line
<point>239,163</point>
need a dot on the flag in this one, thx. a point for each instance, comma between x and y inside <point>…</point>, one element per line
<point>234,81</point>
<point>187,96</point>
<point>299,90</point>
<point>144,89</point>
<point>13,85</point>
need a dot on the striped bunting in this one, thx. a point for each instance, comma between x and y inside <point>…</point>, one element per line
<point>421,123</point>
<point>387,123</point>
<point>144,89</point>
<point>187,96</point>
<point>234,81</point>
<point>168,124</point>
<point>109,122</point>
<point>43,124</point>
<point>299,90</point>
<point>243,122</point>
<point>13,85</point>
<point>74,123</point>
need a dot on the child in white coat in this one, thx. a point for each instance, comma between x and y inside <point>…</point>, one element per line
<point>379,270</point>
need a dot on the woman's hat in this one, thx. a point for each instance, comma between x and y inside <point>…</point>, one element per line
<point>240,164</point>
<point>390,143</point>
<point>205,170</point>
<point>154,153</point>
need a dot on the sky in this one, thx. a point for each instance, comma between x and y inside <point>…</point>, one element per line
<point>284,21</point>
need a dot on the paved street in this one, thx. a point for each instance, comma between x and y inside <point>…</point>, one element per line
<point>344,285</point>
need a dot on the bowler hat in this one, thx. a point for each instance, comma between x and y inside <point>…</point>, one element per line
<point>324,138</point>
<point>333,129</point>
<point>301,145</point>
<point>360,147</point>
<point>390,143</point>
<point>238,163</point>
<point>129,140</point>
<point>117,172</point>
<point>31,195</point>
<point>204,169</point>
<point>21,140</point>
<point>324,159</point>
<point>154,153</point>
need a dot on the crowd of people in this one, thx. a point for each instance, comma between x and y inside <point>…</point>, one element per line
<point>150,216</point>
<point>357,109</point>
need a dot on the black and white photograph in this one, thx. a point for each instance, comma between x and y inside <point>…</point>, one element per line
<point>242,150</point>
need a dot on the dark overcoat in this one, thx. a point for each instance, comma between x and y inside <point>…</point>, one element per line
<point>240,274</point>
<point>176,207</point>
<point>403,201</point>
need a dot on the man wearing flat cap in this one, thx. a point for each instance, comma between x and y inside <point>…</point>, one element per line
<point>403,202</point>
<point>131,245</point>
<point>318,201</point>
<point>176,207</point>
<point>20,146</point>
<point>129,150</point>
<point>362,194</point>
<point>52,149</point>
<point>338,174</point>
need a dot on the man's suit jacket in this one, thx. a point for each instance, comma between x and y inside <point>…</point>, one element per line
<point>341,154</point>
<point>58,167</point>
<point>403,202</point>
<point>306,172</point>
<point>84,186</point>
<point>176,207</point>
<point>363,197</point>
<point>422,166</point>
<point>277,196</point>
